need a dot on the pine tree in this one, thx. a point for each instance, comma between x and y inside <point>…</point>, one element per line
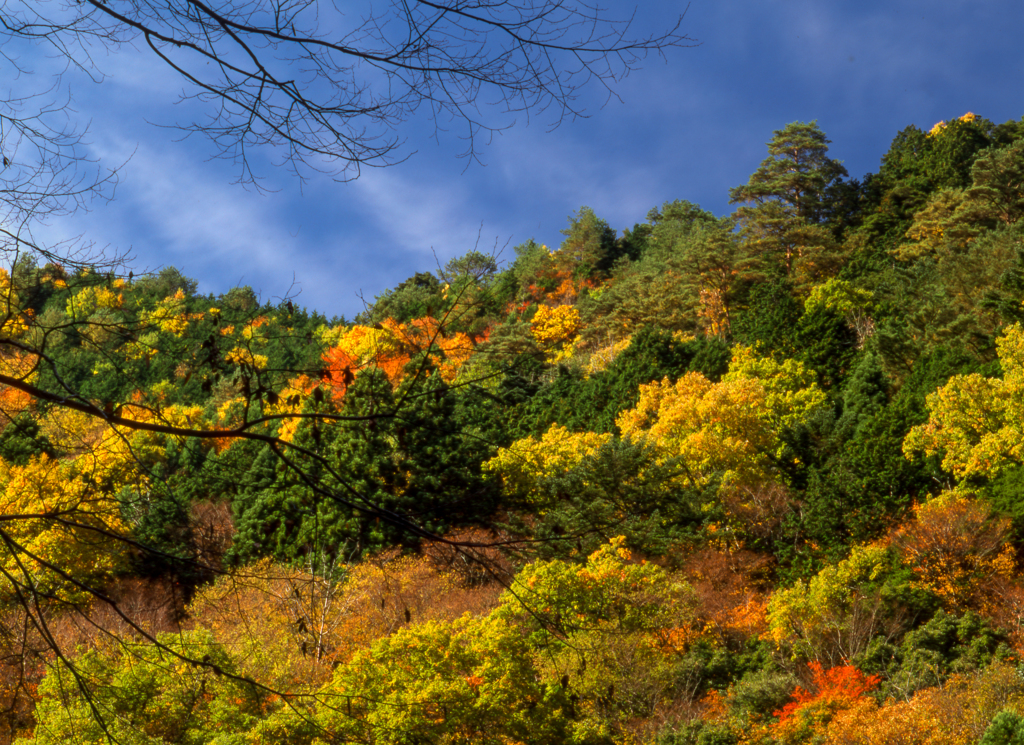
<point>865,394</point>
<point>280,514</point>
<point>589,246</point>
<point>784,203</point>
<point>796,173</point>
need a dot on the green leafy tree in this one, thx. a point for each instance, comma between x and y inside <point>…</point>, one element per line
<point>954,146</point>
<point>624,488</point>
<point>770,319</point>
<point>855,489</point>
<point>589,247</point>
<point>284,508</point>
<point>1007,728</point>
<point>471,680</point>
<point>916,165</point>
<point>595,624</point>
<point>650,292</point>
<point>997,184</point>
<point>929,654</point>
<point>834,616</point>
<point>144,693</point>
<point>420,295</point>
<point>783,204</point>
<point>593,403</point>
<point>21,440</point>
<point>796,173</point>
<point>713,266</point>
<point>693,272</point>
<point>634,241</point>
<point>476,294</point>
<point>392,470</point>
<point>959,246</point>
<point>953,248</point>
<point>865,394</point>
<point>479,266</point>
<point>827,344</point>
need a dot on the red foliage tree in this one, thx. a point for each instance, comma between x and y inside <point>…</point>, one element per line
<point>830,691</point>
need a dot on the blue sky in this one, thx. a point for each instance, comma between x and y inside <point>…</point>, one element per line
<point>689,126</point>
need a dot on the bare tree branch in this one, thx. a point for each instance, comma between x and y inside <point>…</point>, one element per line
<point>325,89</point>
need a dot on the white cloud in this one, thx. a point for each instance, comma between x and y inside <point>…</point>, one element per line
<point>415,212</point>
<point>172,209</point>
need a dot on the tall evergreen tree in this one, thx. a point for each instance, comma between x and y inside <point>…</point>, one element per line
<point>784,203</point>
<point>589,245</point>
<point>865,394</point>
<point>796,173</point>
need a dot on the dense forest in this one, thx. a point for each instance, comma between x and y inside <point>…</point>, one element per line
<point>712,480</point>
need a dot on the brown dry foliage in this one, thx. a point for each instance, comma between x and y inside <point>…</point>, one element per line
<point>21,669</point>
<point>472,557</point>
<point>213,530</point>
<point>291,627</point>
<point>1009,614</point>
<point>390,591</point>
<point>958,549</point>
<point>255,613</point>
<point>731,588</point>
<point>958,713</point>
<point>757,509</point>
<point>154,605</point>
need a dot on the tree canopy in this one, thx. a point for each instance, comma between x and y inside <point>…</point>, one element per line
<point>698,482</point>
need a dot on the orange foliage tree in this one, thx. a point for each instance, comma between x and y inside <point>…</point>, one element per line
<point>829,692</point>
<point>958,713</point>
<point>959,550</point>
<point>391,346</point>
<point>14,401</point>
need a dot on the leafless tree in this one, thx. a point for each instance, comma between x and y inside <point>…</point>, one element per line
<point>325,86</point>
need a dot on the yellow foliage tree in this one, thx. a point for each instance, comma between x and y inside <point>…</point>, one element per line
<point>115,457</point>
<point>827,618</point>
<point>472,680</point>
<point>12,317</point>
<point>853,303</point>
<point>55,530</point>
<point>712,428</point>
<point>525,462</point>
<point>977,423</point>
<point>602,357</point>
<point>171,314</point>
<point>554,327</point>
<point>84,303</point>
<point>731,427</point>
<point>791,389</point>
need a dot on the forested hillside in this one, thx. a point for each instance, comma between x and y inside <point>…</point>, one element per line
<point>754,478</point>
